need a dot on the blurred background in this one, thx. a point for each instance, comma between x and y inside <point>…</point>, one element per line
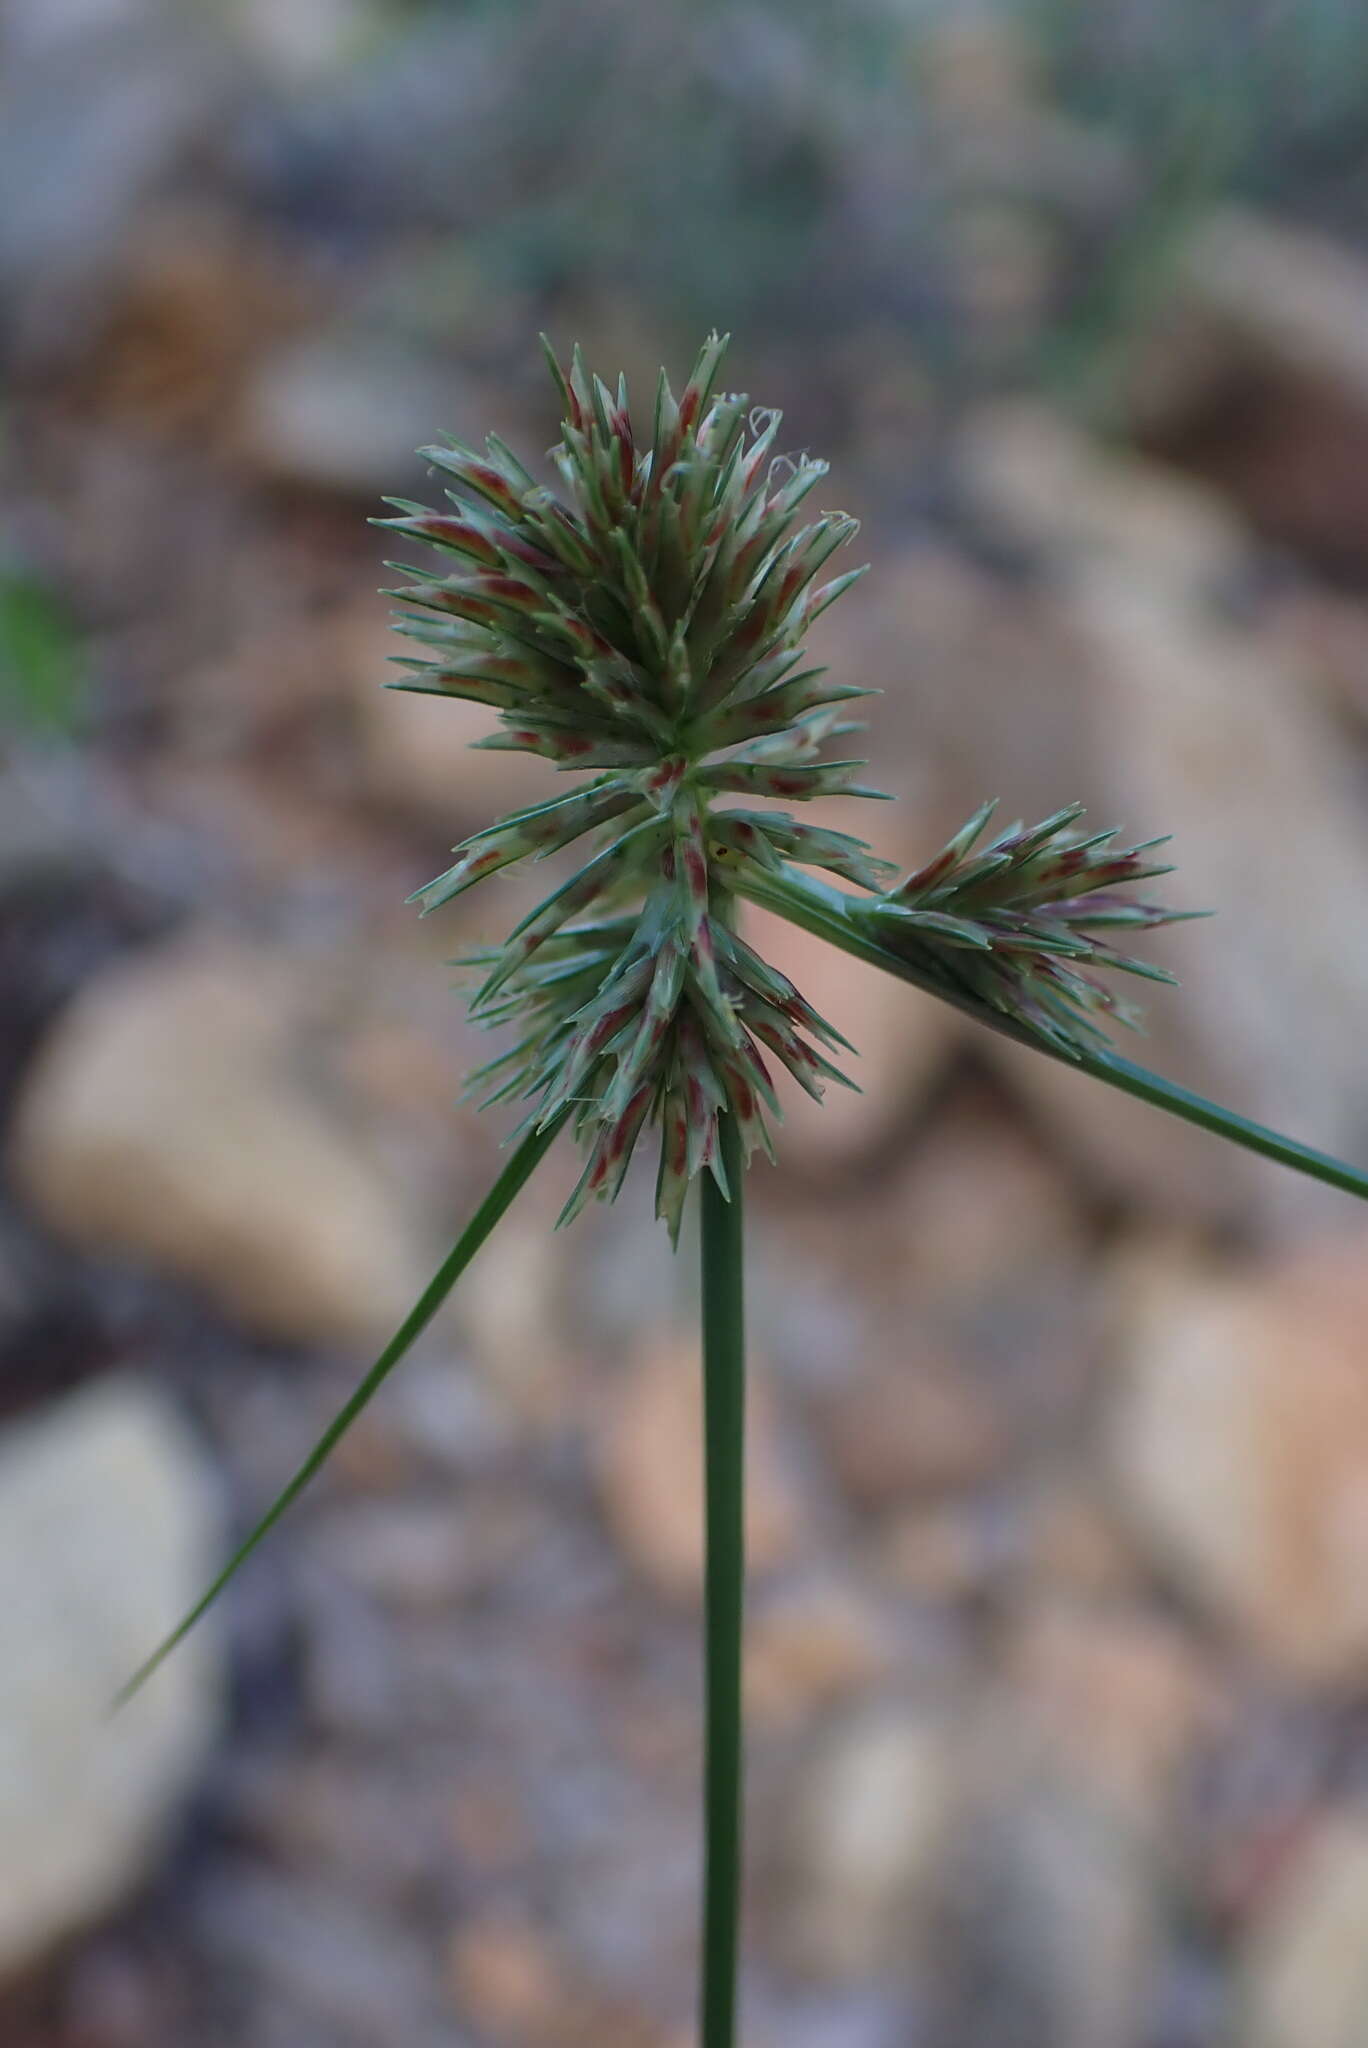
<point>1058,1642</point>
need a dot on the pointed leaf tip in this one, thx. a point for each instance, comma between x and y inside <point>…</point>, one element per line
<point>509,1183</point>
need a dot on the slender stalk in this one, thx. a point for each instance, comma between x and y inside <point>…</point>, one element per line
<point>724,1405</point>
<point>820,909</point>
<point>509,1183</point>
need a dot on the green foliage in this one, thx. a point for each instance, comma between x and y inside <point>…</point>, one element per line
<point>733,126</point>
<point>1277,89</point>
<point>44,677</point>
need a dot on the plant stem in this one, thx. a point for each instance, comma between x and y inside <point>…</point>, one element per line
<point>724,1407</point>
<point>825,911</point>
<point>509,1183</point>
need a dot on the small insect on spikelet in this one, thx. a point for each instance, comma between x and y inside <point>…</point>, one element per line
<point>643,629</point>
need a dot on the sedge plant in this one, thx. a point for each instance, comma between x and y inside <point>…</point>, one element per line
<point>639,625</point>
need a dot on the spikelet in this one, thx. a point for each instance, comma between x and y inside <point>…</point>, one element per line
<point>1022,921</point>
<point>643,626</point>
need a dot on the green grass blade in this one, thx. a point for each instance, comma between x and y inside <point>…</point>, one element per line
<point>1224,1123</point>
<point>500,1197</point>
<point>44,673</point>
<point>821,909</point>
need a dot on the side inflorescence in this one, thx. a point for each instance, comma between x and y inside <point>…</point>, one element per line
<point>1024,919</point>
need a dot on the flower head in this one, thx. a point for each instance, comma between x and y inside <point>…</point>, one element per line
<point>644,626</point>
<point>642,629</point>
<point>1022,921</point>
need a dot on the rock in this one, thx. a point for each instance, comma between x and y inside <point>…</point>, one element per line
<point>448,1420</point>
<point>908,1426</point>
<point>36,27</point>
<point>978,67</point>
<point>903,1041</point>
<point>1195,726</point>
<point>1295,297</point>
<point>940,635</point>
<point>950,1552</point>
<point>811,1647</point>
<point>980,1209</point>
<point>405,1554</point>
<point>1322,634</point>
<point>1240,1439</point>
<point>1302,1973</point>
<point>650,1471</point>
<point>170,1117</point>
<point>1060,1539</point>
<point>1125,1150</point>
<point>986,1290</point>
<point>1079,1542</point>
<point>489,1823</point>
<point>1124,1694</point>
<point>1037,482</point>
<point>317,1808</point>
<point>92,123</point>
<point>327,1958</point>
<point>620,1277</point>
<point>1052,1933</point>
<point>1053,1936</point>
<point>351,1662</point>
<point>347,412</point>
<point>202,294</point>
<point>415,752</point>
<point>1208,738</point>
<point>1254,369</point>
<point>33,838</point>
<point>870,1828</point>
<point>512,1308</point>
<point>309,41</point>
<point>507,1978</point>
<point>1006,278</point>
<point>108,1995</point>
<point>108,1529</point>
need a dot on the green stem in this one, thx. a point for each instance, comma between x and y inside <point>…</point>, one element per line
<point>509,1183</point>
<point>824,911</point>
<point>724,1402</point>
